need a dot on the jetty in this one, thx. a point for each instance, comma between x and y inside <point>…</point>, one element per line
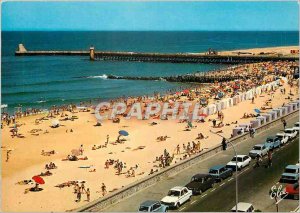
<point>208,57</point>
<point>191,78</point>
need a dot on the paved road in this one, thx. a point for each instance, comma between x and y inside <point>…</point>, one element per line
<point>159,190</point>
<point>254,185</point>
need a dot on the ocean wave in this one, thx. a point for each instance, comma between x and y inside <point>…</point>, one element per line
<point>104,76</point>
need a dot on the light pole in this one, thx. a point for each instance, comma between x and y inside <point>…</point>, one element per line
<point>236,177</point>
<point>236,171</point>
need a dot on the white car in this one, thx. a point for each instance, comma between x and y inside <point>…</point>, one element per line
<point>242,161</point>
<point>282,137</point>
<point>177,196</point>
<point>258,149</point>
<point>297,127</point>
<point>290,132</point>
<point>243,207</point>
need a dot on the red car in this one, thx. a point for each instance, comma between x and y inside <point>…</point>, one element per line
<point>292,190</point>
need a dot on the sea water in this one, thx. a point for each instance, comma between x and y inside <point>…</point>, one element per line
<point>43,81</point>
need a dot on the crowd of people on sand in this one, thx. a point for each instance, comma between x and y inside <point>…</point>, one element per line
<point>257,74</point>
<point>81,189</point>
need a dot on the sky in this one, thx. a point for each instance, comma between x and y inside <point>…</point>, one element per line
<point>150,16</point>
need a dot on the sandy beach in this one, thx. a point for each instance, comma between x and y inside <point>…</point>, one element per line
<point>139,151</point>
<point>286,51</point>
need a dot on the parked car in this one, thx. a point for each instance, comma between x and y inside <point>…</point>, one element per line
<point>258,150</point>
<point>294,169</point>
<point>289,178</point>
<point>177,196</point>
<point>272,142</point>
<point>243,207</point>
<point>152,206</point>
<point>200,183</point>
<point>284,138</point>
<point>291,133</point>
<point>297,127</point>
<point>292,190</point>
<point>220,172</point>
<point>242,161</point>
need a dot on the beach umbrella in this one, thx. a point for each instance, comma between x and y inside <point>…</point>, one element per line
<point>75,152</point>
<point>123,133</point>
<point>186,91</point>
<point>220,95</point>
<point>38,179</point>
<point>257,111</point>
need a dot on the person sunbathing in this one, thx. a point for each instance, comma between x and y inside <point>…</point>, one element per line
<point>200,136</point>
<point>151,172</point>
<point>72,158</point>
<point>160,138</point>
<point>84,158</point>
<point>24,182</point>
<point>219,125</point>
<point>47,173</point>
<point>98,124</point>
<point>47,153</point>
<point>245,115</point>
<point>116,120</point>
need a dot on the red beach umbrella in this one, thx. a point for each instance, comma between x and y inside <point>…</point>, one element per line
<point>38,179</point>
<point>186,91</point>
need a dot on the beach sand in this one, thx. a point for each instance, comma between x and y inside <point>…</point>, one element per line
<point>286,50</point>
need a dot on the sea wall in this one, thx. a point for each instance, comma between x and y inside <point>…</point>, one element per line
<point>101,203</point>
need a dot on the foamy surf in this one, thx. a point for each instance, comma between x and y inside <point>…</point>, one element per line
<point>98,76</point>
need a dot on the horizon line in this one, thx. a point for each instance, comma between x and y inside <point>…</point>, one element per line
<point>74,30</point>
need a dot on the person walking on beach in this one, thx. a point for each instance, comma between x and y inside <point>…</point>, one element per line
<point>178,149</point>
<point>88,194</point>
<point>103,188</point>
<point>224,145</point>
<point>198,146</point>
<point>214,122</point>
<point>107,139</point>
<point>78,196</point>
<point>82,188</point>
<point>81,149</point>
<point>7,155</point>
